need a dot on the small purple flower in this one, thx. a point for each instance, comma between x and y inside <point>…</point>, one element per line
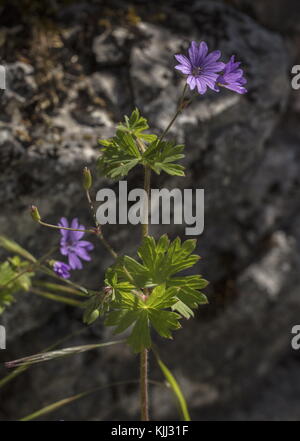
<point>62,269</point>
<point>72,246</point>
<point>201,68</point>
<point>232,77</point>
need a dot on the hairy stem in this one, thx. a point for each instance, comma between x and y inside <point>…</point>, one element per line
<point>98,231</point>
<point>178,111</point>
<point>144,354</point>
<point>57,227</point>
<point>144,385</point>
<point>147,184</point>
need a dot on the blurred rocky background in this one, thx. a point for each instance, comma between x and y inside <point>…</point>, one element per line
<point>73,70</point>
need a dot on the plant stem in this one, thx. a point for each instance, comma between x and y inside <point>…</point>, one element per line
<point>178,111</point>
<point>147,183</point>
<point>144,385</point>
<point>57,227</point>
<point>144,354</point>
<point>98,231</point>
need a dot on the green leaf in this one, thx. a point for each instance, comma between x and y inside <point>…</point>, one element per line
<point>178,394</point>
<point>136,125</point>
<point>189,290</point>
<point>96,306</point>
<point>121,153</point>
<point>184,310</point>
<point>161,155</point>
<point>161,297</point>
<point>164,322</point>
<point>149,293</point>
<point>129,310</point>
<point>140,336</point>
<point>165,258</point>
<point>122,319</point>
<point>13,247</point>
<point>13,278</point>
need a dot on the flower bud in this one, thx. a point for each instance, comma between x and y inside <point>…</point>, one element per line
<point>87,178</point>
<point>91,317</point>
<point>35,213</point>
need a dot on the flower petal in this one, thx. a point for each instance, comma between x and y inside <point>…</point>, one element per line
<point>74,261</point>
<point>85,244</point>
<point>194,53</point>
<point>83,254</point>
<point>201,85</point>
<point>212,57</point>
<point>184,69</point>
<point>214,67</point>
<point>182,59</point>
<point>64,223</point>
<point>210,82</point>
<point>191,80</point>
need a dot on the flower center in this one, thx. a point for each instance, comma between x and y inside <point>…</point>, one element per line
<point>196,70</point>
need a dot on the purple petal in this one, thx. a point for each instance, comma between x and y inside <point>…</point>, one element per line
<point>85,244</point>
<point>214,67</point>
<point>209,81</point>
<point>191,82</point>
<point>184,69</point>
<point>64,223</point>
<point>201,86</point>
<point>202,52</point>
<point>74,223</point>
<point>77,235</point>
<point>236,88</point>
<point>212,57</point>
<point>194,53</point>
<point>74,261</point>
<point>82,253</point>
<point>62,269</point>
<point>183,60</point>
<point>64,249</point>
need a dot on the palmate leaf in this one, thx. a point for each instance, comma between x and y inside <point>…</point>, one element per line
<point>136,125</point>
<point>119,155</point>
<point>149,293</point>
<point>160,263</point>
<point>131,146</point>
<point>161,155</point>
<point>13,279</point>
<point>131,310</point>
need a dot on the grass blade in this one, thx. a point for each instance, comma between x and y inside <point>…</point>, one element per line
<point>57,298</point>
<point>47,356</point>
<point>59,288</point>
<point>175,389</point>
<point>60,403</point>
<point>19,370</point>
<point>13,247</point>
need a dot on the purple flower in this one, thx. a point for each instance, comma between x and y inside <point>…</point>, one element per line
<point>62,269</point>
<point>201,68</point>
<point>72,246</point>
<point>232,77</point>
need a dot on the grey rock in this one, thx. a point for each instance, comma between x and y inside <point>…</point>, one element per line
<point>234,152</point>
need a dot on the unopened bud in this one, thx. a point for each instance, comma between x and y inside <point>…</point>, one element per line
<point>87,178</point>
<point>35,213</point>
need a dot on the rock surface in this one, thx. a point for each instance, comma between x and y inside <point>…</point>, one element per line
<point>242,150</point>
